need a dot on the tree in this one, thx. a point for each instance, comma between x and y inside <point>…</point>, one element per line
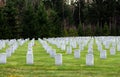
<point>117,18</point>
<point>29,22</point>
<point>42,22</point>
<point>105,30</point>
<point>10,13</point>
<point>79,12</point>
<point>88,31</point>
<point>54,24</point>
<point>80,30</point>
<point>5,32</point>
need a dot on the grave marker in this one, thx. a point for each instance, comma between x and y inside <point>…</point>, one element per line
<point>58,59</point>
<point>89,59</point>
<point>3,58</point>
<point>77,54</point>
<point>103,54</point>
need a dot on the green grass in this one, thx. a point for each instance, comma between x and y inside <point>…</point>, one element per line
<point>44,66</point>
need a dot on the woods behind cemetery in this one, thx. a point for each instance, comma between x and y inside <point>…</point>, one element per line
<point>57,18</point>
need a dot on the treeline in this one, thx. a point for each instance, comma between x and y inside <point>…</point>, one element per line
<point>55,18</point>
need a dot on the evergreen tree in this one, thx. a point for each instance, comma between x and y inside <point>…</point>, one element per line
<point>42,22</point>
<point>28,22</point>
<point>105,31</point>
<point>9,13</point>
<point>80,30</point>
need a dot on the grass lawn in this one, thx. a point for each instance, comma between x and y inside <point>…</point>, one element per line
<point>44,66</point>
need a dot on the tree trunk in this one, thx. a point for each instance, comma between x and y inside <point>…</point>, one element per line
<point>79,11</point>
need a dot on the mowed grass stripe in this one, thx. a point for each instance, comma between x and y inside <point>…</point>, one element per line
<point>41,58</point>
<point>19,56</point>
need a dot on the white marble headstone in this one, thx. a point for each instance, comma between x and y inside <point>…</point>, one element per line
<point>89,59</point>
<point>100,48</point>
<point>69,50</point>
<point>63,47</point>
<point>29,58</point>
<point>112,51</point>
<point>8,52</point>
<point>118,47</point>
<point>48,51</point>
<point>90,50</point>
<point>52,53</point>
<point>107,45</point>
<point>77,54</point>
<point>3,58</point>
<point>103,54</point>
<point>58,59</point>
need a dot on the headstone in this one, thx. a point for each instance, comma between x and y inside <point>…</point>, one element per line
<point>48,50</point>
<point>81,47</point>
<point>8,52</point>
<point>30,49</point>
<point>12,49</point>
<point>107,45</point>
<point>89,59</point>
<point>58,59</point>
<point>3,58</point>
<point>103,54</point>
<point>29,58</point>
<point>112,51</point>
<point>118,47</point>
<point>90,50</point>
<point>52,53</point>
<point>100,48</point>
<point>69,50</point>
<point>74,44</point>
<point>77,54</point>
<point>63,47</point>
